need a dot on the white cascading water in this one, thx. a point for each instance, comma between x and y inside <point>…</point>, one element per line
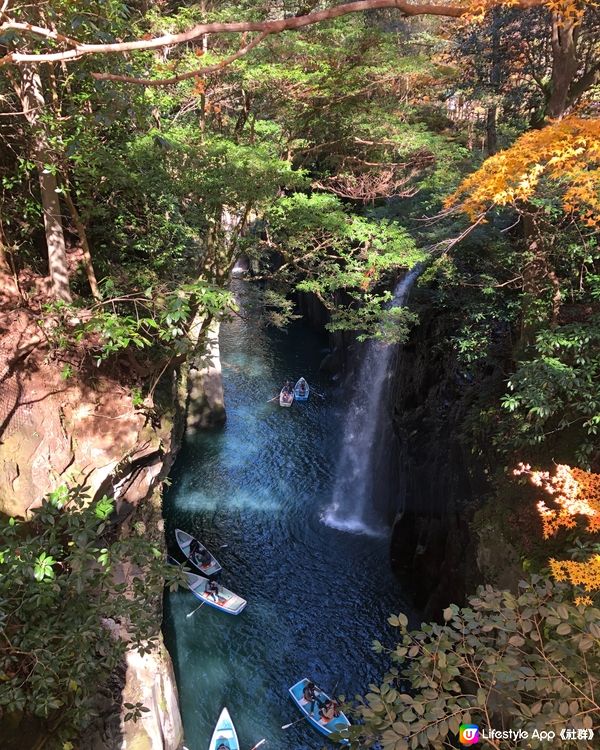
<point>352,507</point>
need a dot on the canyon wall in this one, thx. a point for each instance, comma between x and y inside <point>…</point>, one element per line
<point>62,424</point>
<point>440,481</point>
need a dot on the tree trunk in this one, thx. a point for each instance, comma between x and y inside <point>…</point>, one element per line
<point>29,90</point>
<point>538,273</point>
<point>4,266</point>
<point>564,64</point>
<point>87,256</point>
<point>491,135</point>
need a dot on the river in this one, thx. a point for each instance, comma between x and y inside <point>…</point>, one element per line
<point>317,596</point>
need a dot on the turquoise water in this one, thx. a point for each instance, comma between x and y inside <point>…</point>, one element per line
<point>316,596</point>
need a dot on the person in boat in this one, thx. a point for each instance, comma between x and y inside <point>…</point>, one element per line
<point>194,548</point>
<point>309,693</point>
<point>223,746</point>
<point>331,710</point>
<point>204,557</point>
<point>212,589</point>
<point>302,386</point>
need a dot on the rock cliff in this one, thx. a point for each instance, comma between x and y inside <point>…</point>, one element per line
<point>61,423</point>
<point>440,481</point>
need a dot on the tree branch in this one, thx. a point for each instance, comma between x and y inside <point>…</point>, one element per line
<point>38,31</point>
<point>184,76</point>
<point>268,27</point>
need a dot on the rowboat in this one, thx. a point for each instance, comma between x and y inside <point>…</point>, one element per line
<point>286,398</point>
<point>224,737</point>
<point>226,601</point>
<point>301,390</point>
<point>184,540</point>
<point>337,724</point>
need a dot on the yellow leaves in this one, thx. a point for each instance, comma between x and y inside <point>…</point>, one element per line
<point>574,493</point>
<point>585,574</point>
<point>566,152</point>
<point>567,10</point>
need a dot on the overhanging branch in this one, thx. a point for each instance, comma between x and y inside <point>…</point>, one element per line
<point>79,49</point>
<point>183,76</point>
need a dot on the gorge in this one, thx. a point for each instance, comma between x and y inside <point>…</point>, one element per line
<point>201,201</point>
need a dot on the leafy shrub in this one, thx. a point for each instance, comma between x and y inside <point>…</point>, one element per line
<point>527,661</point>
<point>61,589</point>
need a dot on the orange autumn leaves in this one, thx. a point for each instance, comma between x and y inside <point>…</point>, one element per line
<point>565,153</point>
<point>575,494</point>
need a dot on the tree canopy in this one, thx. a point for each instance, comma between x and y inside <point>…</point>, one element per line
<point>148,145</point>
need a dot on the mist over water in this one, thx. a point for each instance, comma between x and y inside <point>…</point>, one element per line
<point>317,596</point>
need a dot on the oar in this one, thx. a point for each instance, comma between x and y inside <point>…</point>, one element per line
<point>273,399</point>
<point>224,546</point>
<point>320,395</point>
<point>258,744</point>
<point>320,689</point>
<point>337,682</point>
<point>194,612</point>
<point>287,726</point>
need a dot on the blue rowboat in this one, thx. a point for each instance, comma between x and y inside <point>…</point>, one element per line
<point>336,724</point>
<point>224,737</point>
<point>301,390</point>
<point>208,567</point>
<point>226,601</point>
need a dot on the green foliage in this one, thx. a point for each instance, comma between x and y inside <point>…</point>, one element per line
<point>557,389</point>
<point>135,711</point>
<point>528,661</point>
<point>376,319</point>
<point>279,310</point>
<point>159,318</point>
<point>62,593</point>
<point>331,252</point>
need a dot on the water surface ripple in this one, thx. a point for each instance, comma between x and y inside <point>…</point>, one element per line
<point>316,596</point>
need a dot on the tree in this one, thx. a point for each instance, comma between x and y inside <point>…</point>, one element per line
<point>77,49</point>
<point>344,260</point>
<point>29,90</point>
<point>526,662</point>
<point>530,64</point>
<point>564,155</point>
<point>63,593</point>
<point>549,177</point>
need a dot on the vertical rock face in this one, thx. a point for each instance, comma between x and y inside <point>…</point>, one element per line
<point>148,680</point>
<point>82,427</point>
<point>206,405</point>
<point>85,428</point>
<point>440,487</point>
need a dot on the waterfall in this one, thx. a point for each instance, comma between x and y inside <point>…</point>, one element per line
<point>353,507</point>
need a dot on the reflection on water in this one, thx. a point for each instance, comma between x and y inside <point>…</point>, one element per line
<point>316,596</point>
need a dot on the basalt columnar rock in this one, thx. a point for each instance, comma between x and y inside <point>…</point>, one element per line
<point>440,484</point>
<point>206,404</point>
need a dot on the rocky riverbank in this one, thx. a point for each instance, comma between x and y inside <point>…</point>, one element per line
<point>62,423</point>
